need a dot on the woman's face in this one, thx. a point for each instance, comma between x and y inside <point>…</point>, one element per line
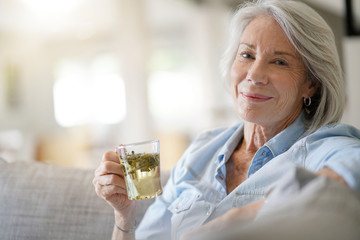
<point>268,76</point>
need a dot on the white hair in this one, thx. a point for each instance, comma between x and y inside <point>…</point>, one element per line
<point>314,41</point>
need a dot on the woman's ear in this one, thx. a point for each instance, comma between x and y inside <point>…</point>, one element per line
<point>311,84</point>
<point>311,87</point>
<point>315,85</point>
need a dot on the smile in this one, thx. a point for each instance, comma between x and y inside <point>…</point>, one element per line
<point>253,97</point>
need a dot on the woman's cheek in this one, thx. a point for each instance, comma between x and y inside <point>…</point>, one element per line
<point>234,87</point>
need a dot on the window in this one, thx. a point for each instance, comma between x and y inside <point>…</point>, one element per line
<point>89,92</point>
<point>176,93</point>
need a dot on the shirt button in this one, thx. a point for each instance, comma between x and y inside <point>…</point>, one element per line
<point>209,211</point>
<point>221,177</point>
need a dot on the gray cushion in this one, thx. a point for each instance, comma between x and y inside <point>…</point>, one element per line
<point>39,201</point>
<point>303,206</point>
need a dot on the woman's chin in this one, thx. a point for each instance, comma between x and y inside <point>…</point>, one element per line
<point>251,114</point>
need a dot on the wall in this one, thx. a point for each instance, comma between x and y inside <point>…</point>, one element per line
<point>134,32</point>
<point>351,46</point>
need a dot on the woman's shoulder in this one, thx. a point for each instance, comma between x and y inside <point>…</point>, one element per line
<point>203,148</point>
<point>336,146</point>
<point>337,132</point>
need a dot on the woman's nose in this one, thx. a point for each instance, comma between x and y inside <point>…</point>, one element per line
<point>257,73</point>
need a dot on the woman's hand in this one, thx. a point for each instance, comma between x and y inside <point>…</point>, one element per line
<point>110,185</point>
<point>331,174</point>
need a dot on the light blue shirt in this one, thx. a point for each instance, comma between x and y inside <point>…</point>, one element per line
<point>196,190</point>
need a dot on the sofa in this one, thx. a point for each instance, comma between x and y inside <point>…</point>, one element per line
<point>43,201</point>
<point>301,205</point>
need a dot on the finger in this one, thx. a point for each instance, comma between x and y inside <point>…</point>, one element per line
<point>99,188</point>
<point>109,167</point>
<point>107,192</point>
<point>110,179</point>
<point>111,156</point>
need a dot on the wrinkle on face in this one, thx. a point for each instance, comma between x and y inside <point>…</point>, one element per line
<point>268,64</point>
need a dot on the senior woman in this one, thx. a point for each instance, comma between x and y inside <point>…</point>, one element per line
<point>287,87</point>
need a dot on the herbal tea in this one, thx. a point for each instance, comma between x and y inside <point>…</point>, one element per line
<point>142,175</point>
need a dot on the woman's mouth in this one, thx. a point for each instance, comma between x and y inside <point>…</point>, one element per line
<point>254,97</point>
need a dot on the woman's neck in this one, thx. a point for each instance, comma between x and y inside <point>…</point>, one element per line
<point>255,135</point>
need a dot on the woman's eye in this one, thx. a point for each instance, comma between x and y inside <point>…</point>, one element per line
<point>246,55</point>
<point>281,62</point>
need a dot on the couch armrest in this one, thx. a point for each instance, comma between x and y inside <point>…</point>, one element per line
<point>40,201</point>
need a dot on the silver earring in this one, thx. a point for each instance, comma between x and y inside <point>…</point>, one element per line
<point>307,102</point>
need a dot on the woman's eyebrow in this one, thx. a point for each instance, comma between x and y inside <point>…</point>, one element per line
<point>247,45</point>
<point>284,53</point>
<point>251,46</point>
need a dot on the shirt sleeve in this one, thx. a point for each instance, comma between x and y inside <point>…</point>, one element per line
<point>337,148</point>
<point>160,221</point>
<point>346,163</point>
<point>156,223</point>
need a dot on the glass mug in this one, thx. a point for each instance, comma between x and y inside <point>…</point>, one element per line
<point>140,163</point>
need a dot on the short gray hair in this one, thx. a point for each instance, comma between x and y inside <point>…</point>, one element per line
<point>315,42</point>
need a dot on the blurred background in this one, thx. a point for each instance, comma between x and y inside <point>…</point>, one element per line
<point>78,77</point>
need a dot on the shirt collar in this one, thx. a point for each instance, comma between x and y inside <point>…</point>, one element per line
<point>231,143</point>
<point>277,145</point>
<point>286,138</point>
